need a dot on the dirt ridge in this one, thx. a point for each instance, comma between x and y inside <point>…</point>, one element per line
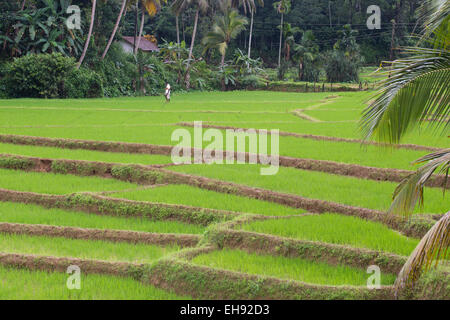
<point>152,175</point>
<point>232,282</point>
<point>323,138</point>
<point>417,228</point>
<point>210,283</point>
<point>329,253</point>
<point>326,166</point>
<point>183,240</point>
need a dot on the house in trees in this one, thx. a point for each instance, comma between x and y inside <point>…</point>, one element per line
<point>146,44</point>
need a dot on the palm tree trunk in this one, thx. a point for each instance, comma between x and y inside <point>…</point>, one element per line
<point>178,33</point>
<point>222,61</point>
<point>178,29</point>
<point>141,30</point>
<point>250,36</point>
<point>391,53</point>
<point>281,40</point>
<point>329,12</point>
<point>350,18</point>
<point>116,26</point>
<point>136,18</point>
<point>88,40</point>
<point>300,70</point>
<point>188,71</point>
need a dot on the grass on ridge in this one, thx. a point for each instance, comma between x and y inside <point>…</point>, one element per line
<point>87,155</point>
<point>317,185</point>
<point>33,214</point>
<point>192,196</point>
<point>83,249</point>
<point>287,268</point>
<point>22,284</point>
<point>338,229</point>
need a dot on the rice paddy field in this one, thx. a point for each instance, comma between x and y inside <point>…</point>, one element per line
<point>91,183</point>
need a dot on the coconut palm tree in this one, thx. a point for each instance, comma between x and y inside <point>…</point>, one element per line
<point>289,34</point>
<point>248,6</point>
<point>417,90</point>
<point>88,40</point>
<point>283,7</point>
<point>226,28</point>
<point>252,11</point>
<point>141,28</point>
<point>305,54</point>
<point>177,22</point>
<point>116,26</point>
<point>178,6</point>
<point>152,7</point>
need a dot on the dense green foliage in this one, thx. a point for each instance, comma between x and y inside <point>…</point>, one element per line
<point>83,83</point>
<point>50,76</point>
<point>38,76</point>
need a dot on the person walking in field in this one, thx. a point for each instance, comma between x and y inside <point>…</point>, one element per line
<point>167,93</point>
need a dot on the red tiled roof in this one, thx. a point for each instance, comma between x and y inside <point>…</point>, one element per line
<point>144,44</point>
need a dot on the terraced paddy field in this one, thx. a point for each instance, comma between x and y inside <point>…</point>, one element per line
<point>91,183</point>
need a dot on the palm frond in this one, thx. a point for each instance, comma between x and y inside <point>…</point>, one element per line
<point>433,13</point>
<point>410,191</point>
<point>417,89</point>
<point>226,27</point>
<point>178,6</point>
<point>152,6</point>
<point>203,5</point>
<point>431,250</point>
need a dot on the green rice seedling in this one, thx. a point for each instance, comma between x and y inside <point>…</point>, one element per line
<point>333,228</point>
<point>58,183</point>
<point>83,249</point>
<point>287,268</point>
<point>33,214</point>
<point>317,185</point>
<point>23,284</point>
<point>192,196</point>
<point>254,100</point>
<point>344,129</point>
<point>289,146</point>
<point>147,120</point>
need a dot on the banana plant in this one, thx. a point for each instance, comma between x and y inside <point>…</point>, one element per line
<point>29,24</point>
<point>247,65</point>
<point>45,30</point>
